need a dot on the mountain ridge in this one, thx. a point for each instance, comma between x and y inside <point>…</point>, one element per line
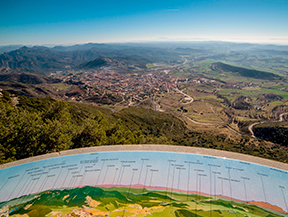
<point>99,62</point>
<point>252,73</point>
<point>44,60</point>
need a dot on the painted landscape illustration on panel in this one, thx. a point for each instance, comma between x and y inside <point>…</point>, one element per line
<point>142,184</point>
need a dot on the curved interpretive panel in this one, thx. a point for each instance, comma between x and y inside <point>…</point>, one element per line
<point>143,183</point>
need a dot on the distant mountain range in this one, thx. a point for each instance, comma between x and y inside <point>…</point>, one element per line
<point>43,60</point>
<point>9,48</point>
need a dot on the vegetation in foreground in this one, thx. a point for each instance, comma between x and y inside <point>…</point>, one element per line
<point>38,126</point>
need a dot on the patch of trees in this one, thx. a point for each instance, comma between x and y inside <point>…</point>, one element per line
<point>275,134</point>
<point>106,99</point>
<point>243,126</point>
<point>42,125</point>
<point>244,146</point>
<point>271,97</point>
<point>225,100</point>
<point>50,126</point>
<point>241,104</point>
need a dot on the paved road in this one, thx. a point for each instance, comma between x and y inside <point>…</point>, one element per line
<point>230,128</point>
<point>250,128</point>
<point>201,123</point>
<point>187,96</point>
<point>181,64</point>
<point>281,116</point>
<point>123,100</point>
<point>156,107</point>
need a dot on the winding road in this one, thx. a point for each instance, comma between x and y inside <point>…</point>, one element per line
<point>181,64</point>
<point>188,98</point>
<point>202,123</point>
<point>250,128</point>
<point>281,116</point>
<point>156,107</point>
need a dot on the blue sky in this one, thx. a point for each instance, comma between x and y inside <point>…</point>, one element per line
<point>33,22</point>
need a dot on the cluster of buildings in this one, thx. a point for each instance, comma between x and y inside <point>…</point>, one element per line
<point>133,87</point>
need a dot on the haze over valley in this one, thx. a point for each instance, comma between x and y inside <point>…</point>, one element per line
<point>162,92</point>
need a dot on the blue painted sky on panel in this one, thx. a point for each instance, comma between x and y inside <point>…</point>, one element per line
<point>218,176</point>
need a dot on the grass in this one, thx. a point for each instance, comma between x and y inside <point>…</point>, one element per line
<point>281,69</point>
<point>246,119</point>
<point>204,87</point>
<point>61,86</point>
<point>172,99</point>
<point>280,93</point>
<point>232,64</point>
<point>213,73</point>
<point>253,67</point>
<point>278,87</point>
<point>230,78</point>
<point>251,88</point>
<point>205,65</point>
<point>187,66</point>
<point>206,118</point>
<point>233,58</point>
<point>276,103</point>
<point>254,93</point>
<point>200,111</point>
<point>150,65</point>
<point>249,67</point>
<point>179,73</point>
<point>210,98</point>
<point>267,70</point>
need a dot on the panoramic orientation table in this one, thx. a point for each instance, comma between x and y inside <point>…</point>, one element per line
<point>144,180</point>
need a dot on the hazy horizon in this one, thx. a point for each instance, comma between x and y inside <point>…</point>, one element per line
<point>71,22</point>
<point>143,42</point>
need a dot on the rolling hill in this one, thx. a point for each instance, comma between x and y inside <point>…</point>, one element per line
<point>99,62</point>
<point>252,73</point>
<point>43,60</point>
<point>27,78</point>
<point>88,200</point>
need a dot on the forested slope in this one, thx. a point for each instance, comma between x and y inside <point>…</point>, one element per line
<point>38,126</point>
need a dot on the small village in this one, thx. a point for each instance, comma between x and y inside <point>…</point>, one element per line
<point>133,88</point>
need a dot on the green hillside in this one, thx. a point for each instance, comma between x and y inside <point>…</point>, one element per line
<point>251,73</point>
<point>43,125</point>
<point>130,202</point>
<point>38,126</point>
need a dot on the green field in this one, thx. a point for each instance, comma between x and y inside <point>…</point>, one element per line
<point>149,65</point>
<point>205,65</point>
<point>187,66</point>
<point>61,86</point>
<point>130,202</point>
<point>253,92</point>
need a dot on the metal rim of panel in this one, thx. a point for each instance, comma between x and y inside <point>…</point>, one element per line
<point>160,148</point>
